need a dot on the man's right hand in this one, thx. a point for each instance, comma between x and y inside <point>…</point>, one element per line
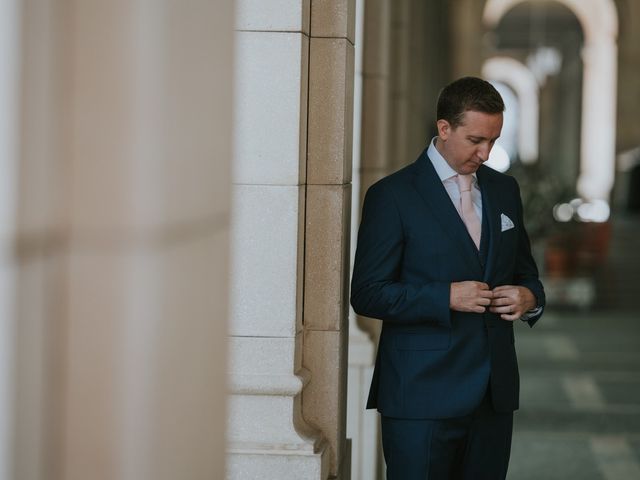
<point>470,296</point>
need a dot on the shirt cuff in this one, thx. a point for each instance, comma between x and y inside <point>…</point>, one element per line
<point>531,313</point>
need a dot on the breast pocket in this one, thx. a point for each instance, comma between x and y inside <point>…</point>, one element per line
<point>508,248</point>
<point>423,341</point>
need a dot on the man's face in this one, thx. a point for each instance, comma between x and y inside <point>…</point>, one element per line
<point>467,146</point>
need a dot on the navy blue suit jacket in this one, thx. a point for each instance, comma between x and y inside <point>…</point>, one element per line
<point>433,362</point>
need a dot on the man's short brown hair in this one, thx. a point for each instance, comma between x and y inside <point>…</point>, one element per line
<point>464,94</point>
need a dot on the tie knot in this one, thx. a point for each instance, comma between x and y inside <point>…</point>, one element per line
<point>464,182</point>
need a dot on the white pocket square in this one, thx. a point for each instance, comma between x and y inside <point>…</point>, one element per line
<point>506,223</point>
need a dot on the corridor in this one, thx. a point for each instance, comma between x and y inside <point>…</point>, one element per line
<point>580,398</point>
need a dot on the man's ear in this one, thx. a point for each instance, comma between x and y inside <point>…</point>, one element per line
<point>444,129</point>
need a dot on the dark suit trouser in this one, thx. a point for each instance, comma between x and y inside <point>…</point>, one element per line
<point>473,447</point>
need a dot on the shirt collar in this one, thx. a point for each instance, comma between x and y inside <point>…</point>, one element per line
<point>443,169</point>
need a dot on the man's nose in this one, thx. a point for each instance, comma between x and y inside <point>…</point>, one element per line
<point>483,152</point>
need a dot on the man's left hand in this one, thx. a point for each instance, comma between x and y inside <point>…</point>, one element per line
<point>512,302</point>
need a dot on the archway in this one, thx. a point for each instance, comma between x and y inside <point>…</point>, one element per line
<point>520,79</point>
<point>599,22</point>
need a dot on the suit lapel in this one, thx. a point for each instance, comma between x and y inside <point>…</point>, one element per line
<point>490,200</point>
<point>432,191</point>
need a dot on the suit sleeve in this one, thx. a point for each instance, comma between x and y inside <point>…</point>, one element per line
<point>376,288</point>
<point>526,273</point>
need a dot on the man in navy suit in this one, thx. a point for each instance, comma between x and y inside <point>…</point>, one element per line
<point>443,259</point>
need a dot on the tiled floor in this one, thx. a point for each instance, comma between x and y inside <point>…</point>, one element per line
<point>579,414</point>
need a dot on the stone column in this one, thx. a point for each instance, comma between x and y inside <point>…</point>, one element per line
<point>465,44</point>
<point>362,425</point>
<point>400,68</point>
<point>376,92</point>
<point>430,68</point>
<point>121,240</point>
<point>267,436</point>
<point>627,132</point>
<point>328,220</point>
<point>294,71</point>
<point>599,93</point>
<point>371,162</point>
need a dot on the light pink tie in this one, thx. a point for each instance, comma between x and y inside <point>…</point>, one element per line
<point>469,215</point>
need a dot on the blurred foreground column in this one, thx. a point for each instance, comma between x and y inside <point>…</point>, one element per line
<point>121,242</point>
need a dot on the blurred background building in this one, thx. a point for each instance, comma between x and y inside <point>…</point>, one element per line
<point>180,187</point>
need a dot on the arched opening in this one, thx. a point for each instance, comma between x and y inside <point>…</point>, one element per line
<point>598,20</point>
<point>523,83</point>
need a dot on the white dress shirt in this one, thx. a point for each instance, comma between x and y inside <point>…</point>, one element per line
<point>447,176</point>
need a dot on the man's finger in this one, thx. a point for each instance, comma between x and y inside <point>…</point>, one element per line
<point>510,316</point>
<point>503,294</point>
<point>504,287</point>
<point>504,309</point>
<point>500,301</point>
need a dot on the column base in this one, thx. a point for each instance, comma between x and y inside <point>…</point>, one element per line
<point>266,464</point>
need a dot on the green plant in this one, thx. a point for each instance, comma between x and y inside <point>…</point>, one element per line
<point>540,191</point>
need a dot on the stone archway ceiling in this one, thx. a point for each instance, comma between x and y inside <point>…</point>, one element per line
<point>599,22</point>
<point>538,23</point>
<point>595,16</point>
